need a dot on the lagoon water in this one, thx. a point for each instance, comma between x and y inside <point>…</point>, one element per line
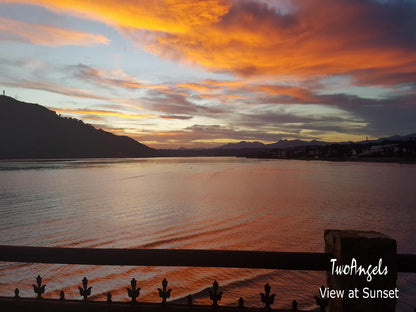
<point>200,203</point>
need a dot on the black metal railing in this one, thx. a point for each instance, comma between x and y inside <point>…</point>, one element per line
<point>160,257</point>
<point>311,261</point>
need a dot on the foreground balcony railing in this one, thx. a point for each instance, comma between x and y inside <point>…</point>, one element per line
<point>174,257</point>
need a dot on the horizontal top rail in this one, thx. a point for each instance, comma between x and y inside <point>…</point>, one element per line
<point>167,257</point>
<point>182,257</point>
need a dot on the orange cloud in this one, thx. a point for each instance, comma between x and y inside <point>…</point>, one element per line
<point>370,40</point>
<point>196,87</point>
<point>258,41</point>
<point>223,98</point>
<point>177,16</point>
<point>47,34</point>
<point>100,113</point>
<point>321,38</point>
<point>170,134</point>
<point>295,92</point>
<point>231,84</point>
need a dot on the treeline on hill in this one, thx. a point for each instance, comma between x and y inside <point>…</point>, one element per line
<point>32,131</point>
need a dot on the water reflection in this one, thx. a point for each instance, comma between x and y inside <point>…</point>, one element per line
<point>201,203</point>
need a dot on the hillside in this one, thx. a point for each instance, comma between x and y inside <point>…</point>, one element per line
<point>33,131</point>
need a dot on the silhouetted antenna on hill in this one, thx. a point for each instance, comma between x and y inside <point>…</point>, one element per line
<point>4,93</point>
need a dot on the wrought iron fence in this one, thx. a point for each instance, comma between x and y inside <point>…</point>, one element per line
<point>161,257</point>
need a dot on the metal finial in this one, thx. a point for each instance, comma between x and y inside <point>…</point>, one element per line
<point>266,298</point>
<point>39,289</point>
<point>241,303</point>
<point>85,291</point>
<point>109,296</point>
<point>294,305</point>
<point>62,296</point>
<point>164,293</point>
<point>133,292</point>
<point>16,293</point>
<point>214,295</point>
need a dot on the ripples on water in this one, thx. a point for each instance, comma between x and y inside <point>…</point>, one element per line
<point>200,203</point>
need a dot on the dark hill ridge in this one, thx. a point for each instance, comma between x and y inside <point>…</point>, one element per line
<point>33,131</point>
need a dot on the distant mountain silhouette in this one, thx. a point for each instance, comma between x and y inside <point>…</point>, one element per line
<point>283,144</point>
<point>279,144</point>
<point>242,144</point>
<point>295,143</point>
<point>33,131</point>
<point>399,138</point>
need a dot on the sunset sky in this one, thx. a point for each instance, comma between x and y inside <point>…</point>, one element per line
<point>186,73</point>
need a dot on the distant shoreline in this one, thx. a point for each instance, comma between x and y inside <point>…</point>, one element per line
<point>368,160</point>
